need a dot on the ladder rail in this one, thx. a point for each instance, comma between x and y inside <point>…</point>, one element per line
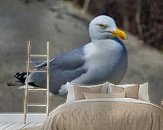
<point>47,109</point>
<point>28,70</point>
<point>26,83</point>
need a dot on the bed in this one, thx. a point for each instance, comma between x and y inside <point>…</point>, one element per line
<point>87,111</point>
<point>106,114</point>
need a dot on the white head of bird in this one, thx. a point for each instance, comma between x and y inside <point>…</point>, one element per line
<point>104,27</point>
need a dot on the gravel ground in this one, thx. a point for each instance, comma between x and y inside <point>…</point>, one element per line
<point>63,26</point>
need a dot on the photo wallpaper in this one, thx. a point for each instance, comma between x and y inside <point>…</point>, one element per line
<point>66,25</point>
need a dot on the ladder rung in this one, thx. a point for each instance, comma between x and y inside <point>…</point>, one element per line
<point>37,70</point>
<point>36,56</point>
<point>37,89</point>
<point>36,105</point>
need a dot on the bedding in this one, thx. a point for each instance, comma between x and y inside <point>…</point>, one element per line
<point>131,91</point>
<point>76,91</point>
<point>79,91</point>
<point>143,93</point>
<point>105,114</point>
<point>103,95</point>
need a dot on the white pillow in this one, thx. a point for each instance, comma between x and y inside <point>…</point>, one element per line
<point>71,93</point>
<point>143,90</point>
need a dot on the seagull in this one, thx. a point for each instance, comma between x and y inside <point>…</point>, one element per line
<point>103,59</point>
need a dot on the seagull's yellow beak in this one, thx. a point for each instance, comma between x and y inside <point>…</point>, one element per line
<point>119,33</point>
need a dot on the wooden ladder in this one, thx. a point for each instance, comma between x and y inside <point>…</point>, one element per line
<point>27,89</point>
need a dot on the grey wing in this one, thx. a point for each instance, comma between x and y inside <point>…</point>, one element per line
<point>63,69</point>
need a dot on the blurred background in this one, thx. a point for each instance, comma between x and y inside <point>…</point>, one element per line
<point>65,24</point>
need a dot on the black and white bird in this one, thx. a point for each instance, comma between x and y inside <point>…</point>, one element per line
<point>103,59</point>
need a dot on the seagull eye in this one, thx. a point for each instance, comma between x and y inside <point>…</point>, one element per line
<point>102,26</point>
